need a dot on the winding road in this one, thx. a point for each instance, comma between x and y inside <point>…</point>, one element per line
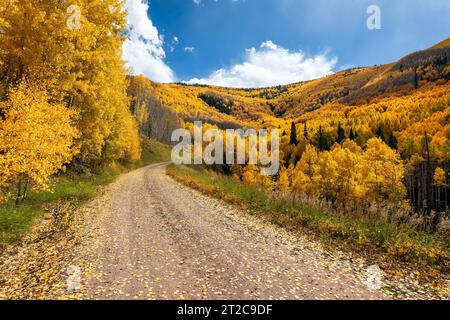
<point>149,237</point>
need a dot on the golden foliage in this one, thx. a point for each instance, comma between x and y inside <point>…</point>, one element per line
<point>362,172</point>
<point>350,175</point>
<point>439,177</point>
<point>81,68</point>
<point>36,138</point>
<point>244,109</point>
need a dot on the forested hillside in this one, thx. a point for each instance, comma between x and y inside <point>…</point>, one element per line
<point>376,136</point>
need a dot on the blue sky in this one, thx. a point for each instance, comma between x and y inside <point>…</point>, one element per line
<point>211,40</point>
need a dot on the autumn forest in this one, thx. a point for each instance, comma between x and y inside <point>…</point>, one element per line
<point>367,144</point>
<point>363,137</point>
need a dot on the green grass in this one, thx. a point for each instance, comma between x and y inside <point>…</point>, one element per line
<point>400,242</point>
<point>16,220</point>
<point>152,152</point>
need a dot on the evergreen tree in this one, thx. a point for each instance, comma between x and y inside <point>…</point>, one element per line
<point>392,141</point>
<point>323,142</point>
<point>340,134</point>
<point>380,134</point>
<point>305,132</point>
<point>351,135</point>
<point>293,140</point>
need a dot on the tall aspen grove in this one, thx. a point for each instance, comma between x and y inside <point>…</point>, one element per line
<point>75,77</point>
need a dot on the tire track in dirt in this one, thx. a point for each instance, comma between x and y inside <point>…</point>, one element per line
<point>153,238</point>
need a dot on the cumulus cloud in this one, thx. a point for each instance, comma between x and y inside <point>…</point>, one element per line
<point>189,49</point>
<point>143,50</point>
<point>271,65</point>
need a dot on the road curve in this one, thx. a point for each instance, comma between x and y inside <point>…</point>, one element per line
<point>150,237</point>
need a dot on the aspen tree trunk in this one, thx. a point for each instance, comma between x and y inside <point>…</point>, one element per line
<point>19,192</point>
<point>25,189</point>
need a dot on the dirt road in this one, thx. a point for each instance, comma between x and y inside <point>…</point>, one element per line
<point>151,238</point>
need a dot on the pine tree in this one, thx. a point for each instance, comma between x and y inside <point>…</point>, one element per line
<point>305,132</point>
<point>351,135</point>
<point>323,142</point>
<point>380,134</point>
<point>392,141</point>
<point>293,140</point>
<point>340,134</point>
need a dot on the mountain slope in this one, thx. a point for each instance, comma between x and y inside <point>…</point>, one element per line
<point>442,44</point>
<point>421,71</point>
<point>275,106</point>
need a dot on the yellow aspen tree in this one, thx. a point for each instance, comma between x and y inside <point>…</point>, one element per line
<point>3,25</point>
<point>36,140</point>
<point>80,63</point>
<point>250,174</point>
<point>284,181</point>
<point>106,122</point>
<point>439,177</point>
<point>142,115</point>
<point>326,177</point>
<point>348,174</point>
<point>123,143</point>
<point>304,171</point>
<point>385,171</point>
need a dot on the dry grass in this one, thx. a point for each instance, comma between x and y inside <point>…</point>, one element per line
<point>371,233</point>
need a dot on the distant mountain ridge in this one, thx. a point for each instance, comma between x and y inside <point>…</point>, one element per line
<point>274,106</point>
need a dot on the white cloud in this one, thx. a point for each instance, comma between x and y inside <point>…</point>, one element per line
<point>175,41</point>
<point>143,50</point>
<point>271,65</point>
<point>189,49</point>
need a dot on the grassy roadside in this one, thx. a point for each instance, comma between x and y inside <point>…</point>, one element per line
<point>15,221</point>
<point>405,245</point>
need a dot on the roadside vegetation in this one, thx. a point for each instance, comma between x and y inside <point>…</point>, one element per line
<point>16,220</point>
<point>399,242</point>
